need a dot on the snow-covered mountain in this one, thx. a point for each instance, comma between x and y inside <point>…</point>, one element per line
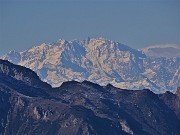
<point>101,61</point>
<point>167,50</point>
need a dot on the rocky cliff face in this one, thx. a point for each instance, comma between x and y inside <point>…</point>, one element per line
<point>21,73</point>
<point>172,100</point>
<point>82,108</point>
<point>100,61</point>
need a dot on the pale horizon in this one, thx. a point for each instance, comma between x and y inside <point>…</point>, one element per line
<point>137,23</point>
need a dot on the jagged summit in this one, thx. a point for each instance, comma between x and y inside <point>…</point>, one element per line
<point>62,41</point>
<point>101,61</point>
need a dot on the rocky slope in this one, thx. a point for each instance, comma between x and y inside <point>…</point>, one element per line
<point>100,61</point>
<point>81,108</point>
<point>21,73</point>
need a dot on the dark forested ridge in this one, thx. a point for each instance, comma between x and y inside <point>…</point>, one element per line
<point>30,106</point>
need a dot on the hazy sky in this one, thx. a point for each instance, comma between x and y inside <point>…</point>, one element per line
<point>136,23</point>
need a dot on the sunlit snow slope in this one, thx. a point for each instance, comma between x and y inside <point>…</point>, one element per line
<point>101,61</point>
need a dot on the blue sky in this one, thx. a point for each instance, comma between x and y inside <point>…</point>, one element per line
<point>136,23</point>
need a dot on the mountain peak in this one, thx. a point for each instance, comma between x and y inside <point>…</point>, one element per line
<point>62,41</point>
<point>101,61</point>
<point>98,40</point>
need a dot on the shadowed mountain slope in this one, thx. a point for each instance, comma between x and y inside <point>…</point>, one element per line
<point>81,108</point>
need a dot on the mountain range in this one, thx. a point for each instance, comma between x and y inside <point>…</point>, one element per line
<point>30,106</point>
<point>101,61</point>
